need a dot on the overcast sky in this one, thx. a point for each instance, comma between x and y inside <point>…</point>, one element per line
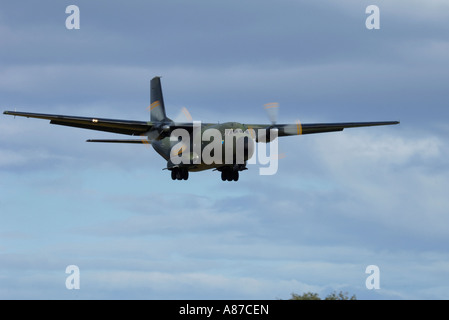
<point>338,203</point>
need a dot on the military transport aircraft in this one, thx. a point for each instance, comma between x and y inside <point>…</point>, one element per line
<point>159,132</point>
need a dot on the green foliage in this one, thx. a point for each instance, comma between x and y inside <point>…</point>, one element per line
<point>305,296</point>
<point>340,296</point>
<point>314,296</point>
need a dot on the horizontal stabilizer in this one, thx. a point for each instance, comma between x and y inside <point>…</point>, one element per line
<point>141,141</point>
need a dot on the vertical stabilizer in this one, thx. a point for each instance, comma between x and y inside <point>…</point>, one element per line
<point>157,107</point>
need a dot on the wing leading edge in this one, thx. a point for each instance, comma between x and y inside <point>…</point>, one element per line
<point>310,128</point>
<point>128,127</point>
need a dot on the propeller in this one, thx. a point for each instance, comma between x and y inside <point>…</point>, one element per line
<point>272,111</point>
<point>183,115</point>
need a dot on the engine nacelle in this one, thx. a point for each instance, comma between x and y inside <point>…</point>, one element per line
<point>244,144</point>
<point>237,147</point>
<point>267,135</point>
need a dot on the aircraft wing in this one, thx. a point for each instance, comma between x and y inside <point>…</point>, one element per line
<point>131,127</point>
<point>128,127</point>
<point>300,129</point>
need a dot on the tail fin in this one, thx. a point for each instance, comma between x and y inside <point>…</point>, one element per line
<point>157,107</point>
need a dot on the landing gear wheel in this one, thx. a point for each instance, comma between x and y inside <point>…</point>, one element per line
<point>229,174</point>
<point>179,174</point>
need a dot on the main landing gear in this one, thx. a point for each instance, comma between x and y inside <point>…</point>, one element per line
<point>179,174</point>
<point>229,174</point>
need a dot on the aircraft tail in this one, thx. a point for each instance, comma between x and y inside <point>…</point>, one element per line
<point>157,107</point>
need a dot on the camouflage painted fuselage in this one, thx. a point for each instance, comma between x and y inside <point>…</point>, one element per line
<point>194,153</point>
